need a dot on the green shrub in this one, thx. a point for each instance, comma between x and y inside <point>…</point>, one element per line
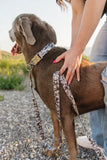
<point>11,64</point>
<point>24,69</point>
<point>11,81</point>
<point>12,72</point>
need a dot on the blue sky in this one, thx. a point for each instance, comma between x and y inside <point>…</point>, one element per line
<point>47,10</point>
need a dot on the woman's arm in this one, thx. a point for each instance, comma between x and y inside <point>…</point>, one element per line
<point>77,12</point>
<point>91,15</point>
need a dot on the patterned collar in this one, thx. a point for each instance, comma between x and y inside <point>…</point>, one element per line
<point>39,56</point>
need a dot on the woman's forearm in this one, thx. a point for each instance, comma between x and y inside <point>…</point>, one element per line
<point>76,21</point>
<point>77,12</point>
<point>92,12</point>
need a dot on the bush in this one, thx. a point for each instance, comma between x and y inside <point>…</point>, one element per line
<point>14,65</point>
<point>12,72</point>
<point>11,81</point>
<point>23,68</point>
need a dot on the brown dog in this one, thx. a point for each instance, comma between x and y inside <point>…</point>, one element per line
<point>31,35</point>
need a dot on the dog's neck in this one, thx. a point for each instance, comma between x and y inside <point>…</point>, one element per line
<point>34,59</point>
<point>30,52</point>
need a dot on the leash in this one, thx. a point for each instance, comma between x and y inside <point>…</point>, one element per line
<point>38,119</point>
<point>66,87</point>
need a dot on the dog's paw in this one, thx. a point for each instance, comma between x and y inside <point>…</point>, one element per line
<point>49,153</point>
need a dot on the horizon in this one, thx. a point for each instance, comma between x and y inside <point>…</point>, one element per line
<point>86,52</point>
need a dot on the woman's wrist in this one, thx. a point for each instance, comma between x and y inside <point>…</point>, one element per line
<point>77,49</point>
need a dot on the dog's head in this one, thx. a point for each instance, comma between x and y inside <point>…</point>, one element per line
<point>31,34</point>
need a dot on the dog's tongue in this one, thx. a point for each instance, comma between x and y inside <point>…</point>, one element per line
<point>14,49</point>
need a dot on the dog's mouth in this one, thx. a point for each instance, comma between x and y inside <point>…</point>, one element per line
<point>16,50</point>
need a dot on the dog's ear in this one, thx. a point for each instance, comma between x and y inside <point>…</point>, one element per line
<point>24,26</point>
<point>51,33</point>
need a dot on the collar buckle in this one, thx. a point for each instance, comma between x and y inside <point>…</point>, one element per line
<point>36,59</point>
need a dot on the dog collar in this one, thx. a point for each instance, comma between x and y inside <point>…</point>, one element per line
<point>39,56</point>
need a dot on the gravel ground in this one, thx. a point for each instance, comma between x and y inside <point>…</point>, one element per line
<point>19,139</point>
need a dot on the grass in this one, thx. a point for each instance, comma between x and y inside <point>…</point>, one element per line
<point>12,72</point>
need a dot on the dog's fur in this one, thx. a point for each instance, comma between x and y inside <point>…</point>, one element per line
<point>31,35</point>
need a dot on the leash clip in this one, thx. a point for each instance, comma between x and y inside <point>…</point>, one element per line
<point>28,68</point>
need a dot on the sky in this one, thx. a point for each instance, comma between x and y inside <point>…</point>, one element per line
<point>47,10</point>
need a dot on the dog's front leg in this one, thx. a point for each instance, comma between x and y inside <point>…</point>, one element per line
<point>69,132</point>
<point>56,134</point>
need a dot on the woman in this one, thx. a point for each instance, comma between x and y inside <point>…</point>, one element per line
<point>86,16</point>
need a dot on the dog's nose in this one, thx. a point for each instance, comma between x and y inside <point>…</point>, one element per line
<point>11,35</point>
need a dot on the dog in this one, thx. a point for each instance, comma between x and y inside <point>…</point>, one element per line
<point>31,35</point>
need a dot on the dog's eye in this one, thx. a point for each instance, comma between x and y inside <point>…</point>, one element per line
<point>19,29</point>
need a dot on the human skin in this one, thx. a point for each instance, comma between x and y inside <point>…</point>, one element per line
<point>89,15</point>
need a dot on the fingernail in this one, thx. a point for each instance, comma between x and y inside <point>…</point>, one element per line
<point>54,61</point>
<point>68,83</point>
<point>78,79</point>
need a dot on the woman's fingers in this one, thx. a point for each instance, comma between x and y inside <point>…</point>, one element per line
<point>71,63</point>
<point>68,74</point>
<point>78,68</point>
<point>78,73</point>
<point>71,76</point>
<point>71,71</point>
<point>59,58</point>
<point>62,70</point>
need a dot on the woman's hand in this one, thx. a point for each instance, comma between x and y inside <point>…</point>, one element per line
<point>72,61</point>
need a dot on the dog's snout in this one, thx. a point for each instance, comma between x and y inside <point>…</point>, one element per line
<point>12,36</point>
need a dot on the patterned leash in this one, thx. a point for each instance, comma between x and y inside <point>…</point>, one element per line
<point>38,119</point>
<point>56,80</point>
